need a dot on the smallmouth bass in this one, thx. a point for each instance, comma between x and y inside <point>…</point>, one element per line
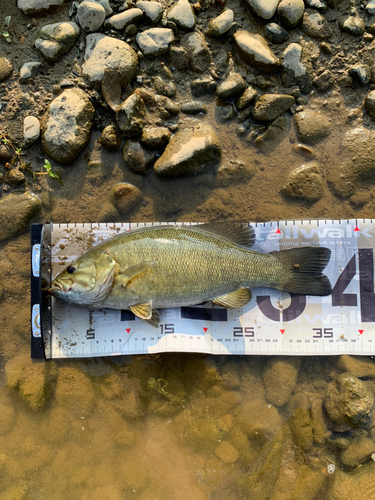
<point>174,266</point>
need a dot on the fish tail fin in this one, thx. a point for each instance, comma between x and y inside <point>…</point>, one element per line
<point>304,268</point>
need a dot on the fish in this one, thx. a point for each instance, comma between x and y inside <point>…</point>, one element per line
<point>166,266</point>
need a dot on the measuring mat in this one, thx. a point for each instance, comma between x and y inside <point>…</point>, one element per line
<point>273,322</point>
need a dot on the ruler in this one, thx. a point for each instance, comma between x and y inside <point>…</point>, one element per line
<point>273,323</point>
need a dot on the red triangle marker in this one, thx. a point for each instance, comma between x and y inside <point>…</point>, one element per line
<point>361,331</point>
<point>278,231</point>
<point>356,228</point>
<point>128,330</point>
<point>205,329</point>
<point>282,331</point>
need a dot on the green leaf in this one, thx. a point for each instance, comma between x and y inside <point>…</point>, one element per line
<point>7,21</point>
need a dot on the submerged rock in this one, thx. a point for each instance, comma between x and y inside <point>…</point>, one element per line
<point>189,152</point>
<point>270,106</point>
<point>359,451</point>
<point>57,39</point>
<point>356,485</point>
<point>274,134</point>
<point>254,50</point>
<point>305,182</point>
<point>16,211</point>
<point>233,172</point>
<point>138,158</point>
<point>312,127</point>
<point>125,196</point>
<point>280,378</point>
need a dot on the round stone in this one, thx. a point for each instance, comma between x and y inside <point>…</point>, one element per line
<point>31,129</point>
<point>125,197</point>
<point>90,15</point>
<point>220,24</point>
<point>305,182</point>
<point>291,12</point>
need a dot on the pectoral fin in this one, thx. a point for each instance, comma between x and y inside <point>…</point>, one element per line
<point>235,299</point>
<point>143,311</point>
<point>128,274</point>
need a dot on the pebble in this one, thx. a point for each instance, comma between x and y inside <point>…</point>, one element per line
<point>138,158</point>
<point>6,66</point>
<point>312,127</point>
<point>359,450</point>
<point>74,392</point>
<point>357,365</point>
<point>270,106</point>
<point>203,86</point>
<point>220,24</point>
<point>104,52</point>
<point>31,7</point>
<point>111,138</point>
<point>155,41</point>
<point>31,129</point>
<point>259,418</point>
<point>57,39</point>
<point>90,15</point>
<point>356,485</point>
<point>106,6</point>
<point>264,8</point>
<point>316,4</point>
<point>274,134</point>
<point>234,172</point>
<point>125,197</point>
<point>16,211</point>
<point>107,212</point>
<point>179,58</point>
<point>314,25</point>
<point>130,115</point>
<point>193,108</point>
<point>370,103</point>
<point>254,50</point>
<point>280,379</point>
<point>370,7</point>
<point>361,73</point>
<point>66,125</point>
<point>232,86</point>
<point>246,98</point>
<point>152,10</point>
<point>15,177</point>
<point>226,452</point>
<point>300,420</point>
<point>290,12</point>
<point>353,25</point>
<point>197,50</point>
<point>182,13</point>
<point>155,137</point>
<point>124,19</point>
<point>324,81</point>
<point>296,68</point>
<point>189,152</point>
<point>305,182</point>
<point>275,33</point>
<point>347,401</point>
<point>29,70</point>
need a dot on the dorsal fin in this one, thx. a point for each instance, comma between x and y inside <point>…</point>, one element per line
<point>238,233</point>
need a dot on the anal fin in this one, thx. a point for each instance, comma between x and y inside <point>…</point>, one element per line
<point>235,299</point>
<point>143,311</point>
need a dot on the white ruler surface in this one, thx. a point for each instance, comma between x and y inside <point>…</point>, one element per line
<point>272,323</point>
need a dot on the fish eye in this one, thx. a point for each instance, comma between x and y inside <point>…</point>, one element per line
<point>71,269</point>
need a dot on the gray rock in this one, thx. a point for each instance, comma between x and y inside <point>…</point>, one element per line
<point>203,86</point>
<point>110,138</point>
<point>312,127</point>
<point>264,8</point>
<point>305,182</point>
<point>179,58</point>
<point>6,66</point>
<point>359,450</point>
<point>130,115</point>
<point>16,211</point>
<point>232,86</point>
<point>270,106</point>
<point>220,24</point>
<point>193,108</point>
<point>90,15</point>
<point>182,13</point>
<point>125,197</point>
<point>353,25</point>
<point>348,401</point>
<point>29,70</point>
<point>66,125</point>
<point>155,137</point>
<point>124,19</point>
<point>274,134</point>
<point>246,98</point>
<point>254,50</point>
<point>155,41</point>
<point>316,4</point>
<point>57,39</point>
<point>280,379</point>
<point>291,12</point>
<point>152,10</point>
<point>234,172</point>
<point>189,152</point>
<point>370,7</point>
<point>275,33</point>
<point>314,25</point>
<point>324,81</point>
<point>296,68</point>
<point>107,7</point>
<point>104,52</point>
<point>360,73</point>
<point>31,7</point>
<point>138,158</point>
<point>31,129</point>
<point>197,50</point>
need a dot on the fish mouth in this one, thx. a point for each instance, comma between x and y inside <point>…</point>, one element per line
<point>58,286</point>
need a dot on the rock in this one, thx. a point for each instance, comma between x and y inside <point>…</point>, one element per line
<point>193,108</point>
<point>226,452</point>
<point>31,129</point>
<point>104,52</point>
<point>259,419</point>
<point>360,73</point>
<point>179,58</point>
<point>6,66</point>
<point>234,172</point>
<point>348,401</point>
<point>254,50</point>
<point>359,451</point>
<point>305,182</point>
<point>107,7</point>
<point>316,4</point>
<point>57,39</point>
<point>296,68</point>
<point>300,421</point>
<point>166,107</point>
<point>31,7</point>
<point>319,422</point>
<point>291,12</point>
<point>111,88</point>
<point>125,197</point>
<point>130,115</point>
<point>275,33</point>
<point>16,211</point>
<point>312,127</point>
<point>74,391</point>
<point>358,366</point>
<point>274,134</point>
<point>152,10</point>
<point>123,19</point>
<point>189,152</point>
<point>264,8</point>
<point>356,485</point>
<point>370,103</point>
<point>29,70</point>
<point>370,7</point>
<point>110,138</point>
<point>224,112</point>
<point>29,379</point>
<point>246,98</point>
<point>138,158</point>
<point>90,15</point>
<point>353,25</point>
<point>233,85</point>
<point>14,177</point>
<point>324,81</point>
<point>6,154</point>
<point>270,106</point>
<point>280,378</point>
<point>220,24</point>
<point>66,125</point>
<point>314,25</point>
<point>182,13</point>
<point>203,86</point>
<point>155,41</point>
<point>197,50</point>
<point>107,212</point>
<point>15,493</point>
<point>155,137</point>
